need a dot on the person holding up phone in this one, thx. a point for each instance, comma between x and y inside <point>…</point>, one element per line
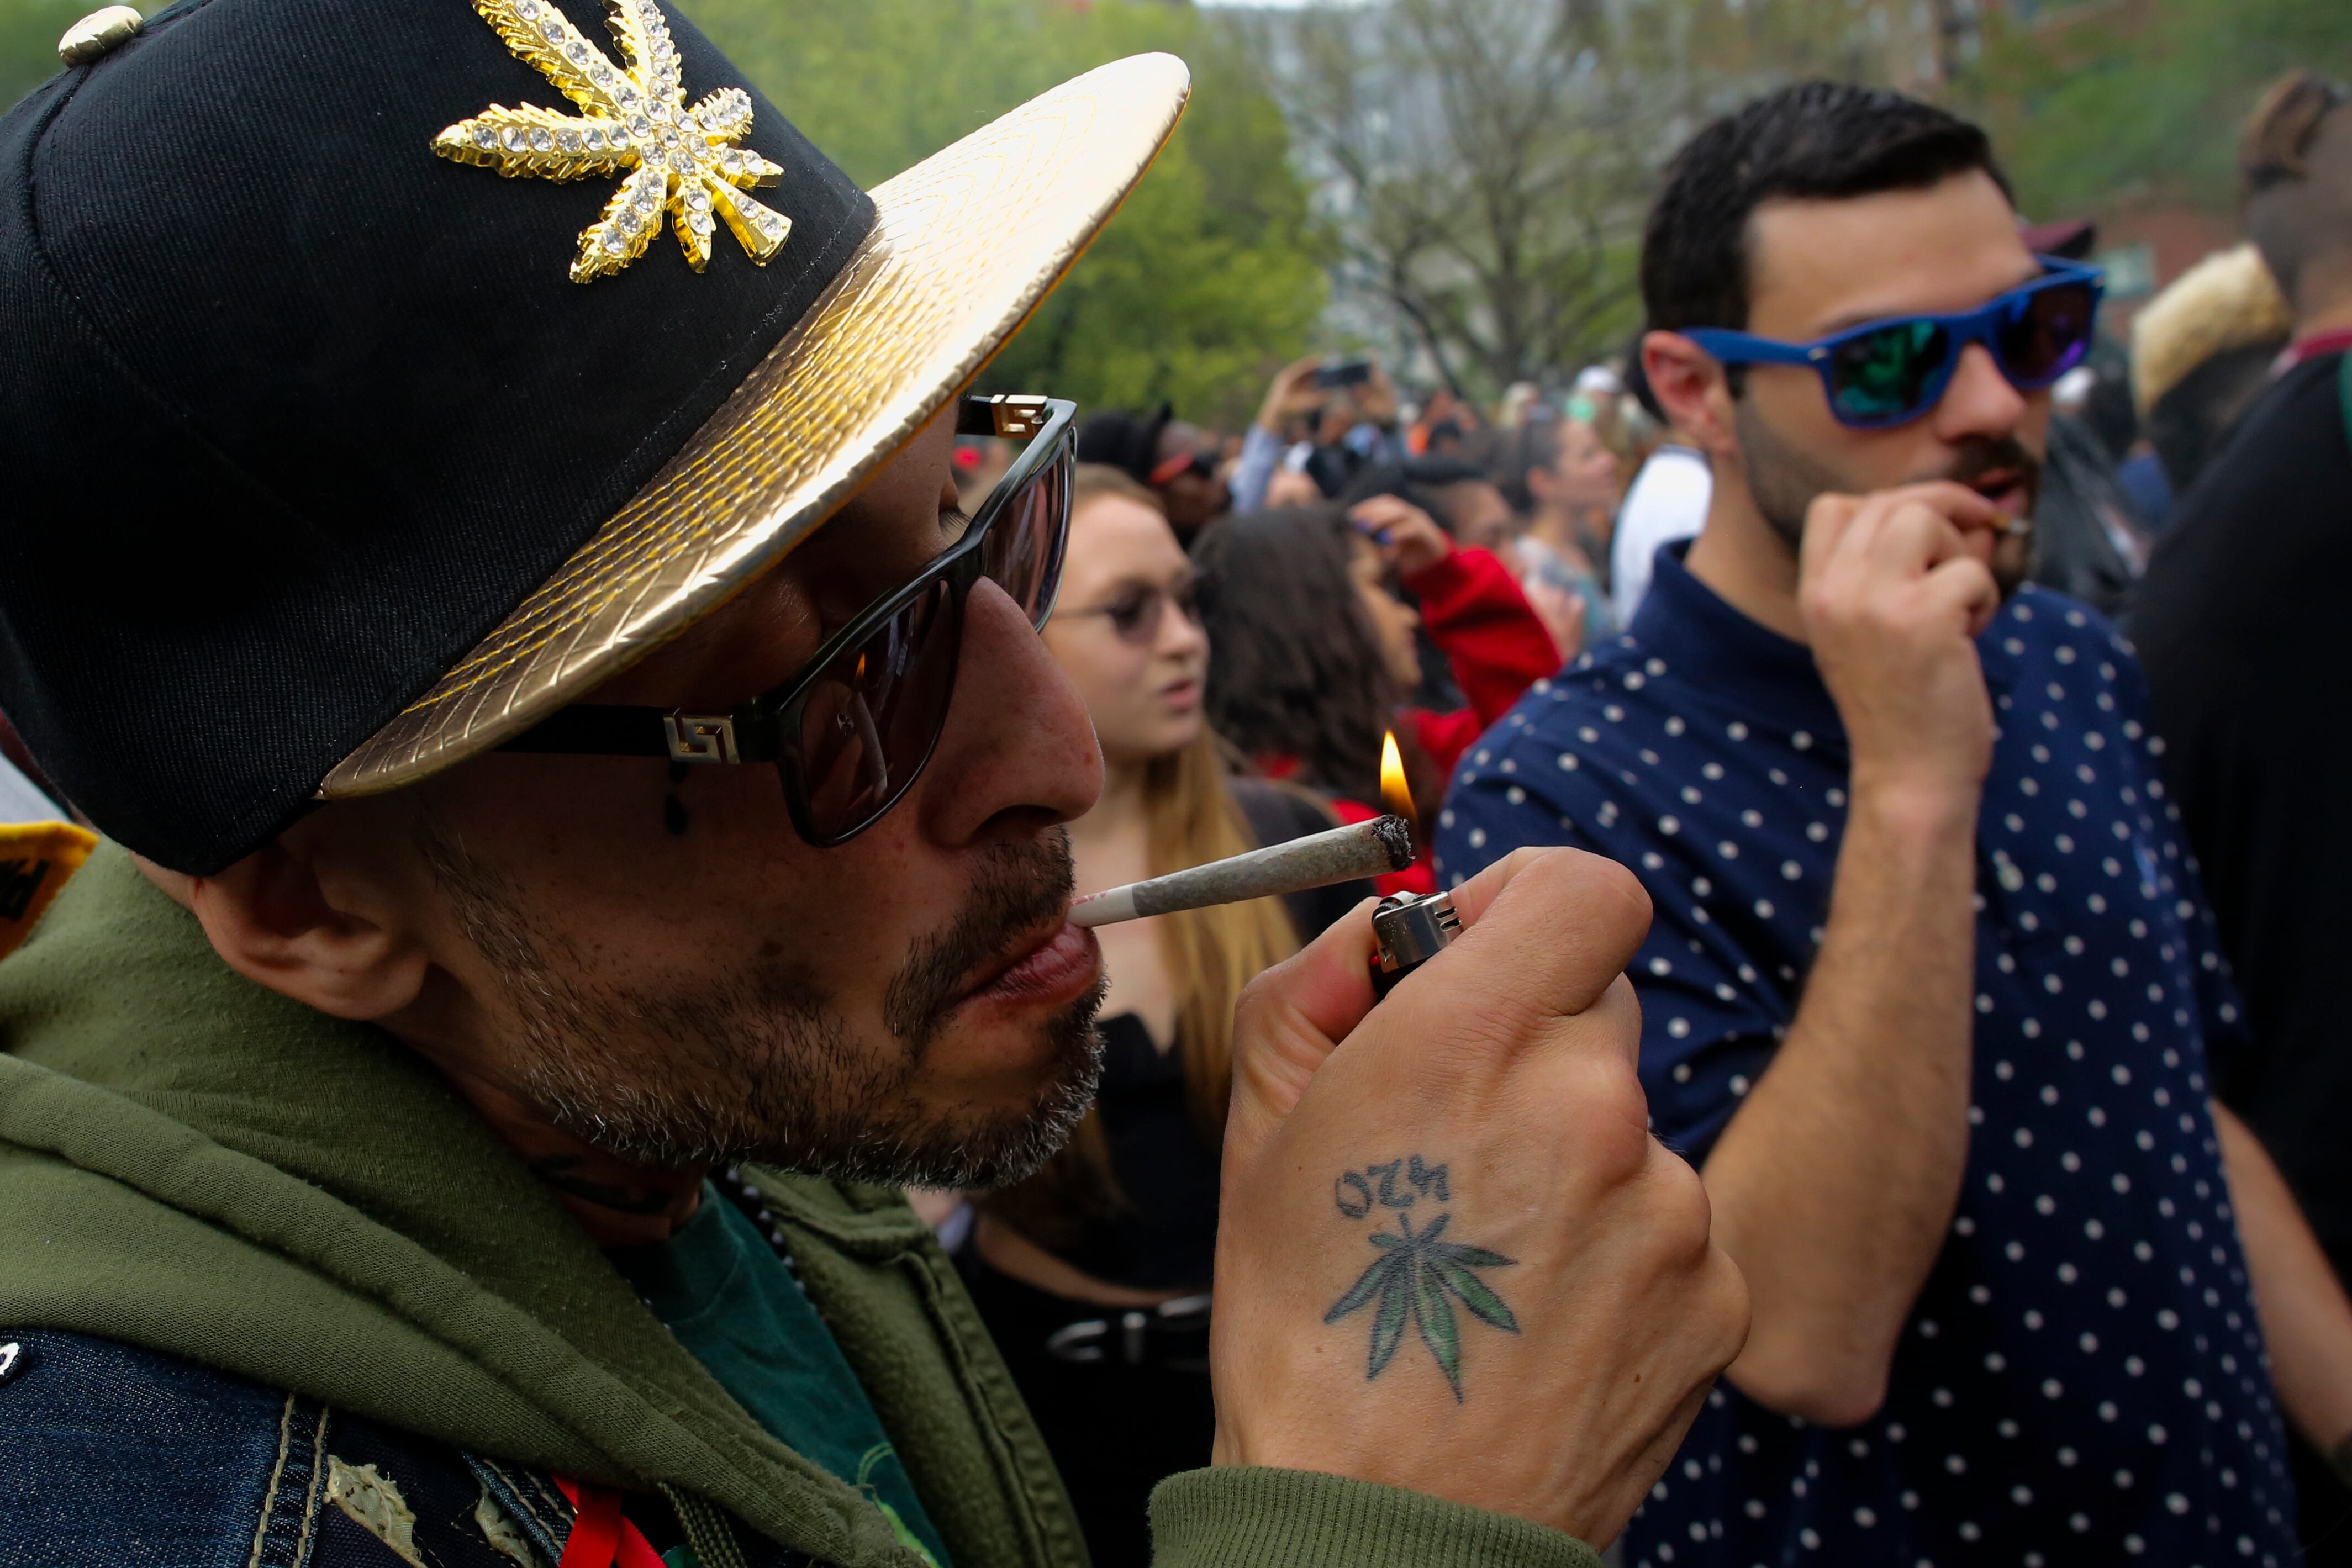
<point>1325,418</point>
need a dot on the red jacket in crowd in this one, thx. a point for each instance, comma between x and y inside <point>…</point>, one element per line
<point>1497,648</point>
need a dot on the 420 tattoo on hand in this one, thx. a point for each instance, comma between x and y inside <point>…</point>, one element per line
<point>1418,1277</point>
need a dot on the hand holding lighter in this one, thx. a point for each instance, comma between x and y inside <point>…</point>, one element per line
<point>1410,928</point>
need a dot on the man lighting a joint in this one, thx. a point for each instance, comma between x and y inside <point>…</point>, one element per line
<point>587,823</point>
<point>1931,993</point>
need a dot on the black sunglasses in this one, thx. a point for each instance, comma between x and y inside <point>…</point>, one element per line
<point>851,732</point>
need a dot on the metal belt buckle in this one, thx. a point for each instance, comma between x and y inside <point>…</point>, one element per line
<point>1136,1333</point>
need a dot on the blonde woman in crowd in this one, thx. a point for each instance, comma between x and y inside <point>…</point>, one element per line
<point>1119,1230</point>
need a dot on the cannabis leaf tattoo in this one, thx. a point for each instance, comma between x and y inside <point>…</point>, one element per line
<point>1419,1277</point>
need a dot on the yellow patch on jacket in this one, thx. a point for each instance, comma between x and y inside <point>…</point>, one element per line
<point>375,1505</point>
<point>36,860</point>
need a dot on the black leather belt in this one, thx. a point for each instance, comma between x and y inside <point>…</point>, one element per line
<point>1173,1336</point>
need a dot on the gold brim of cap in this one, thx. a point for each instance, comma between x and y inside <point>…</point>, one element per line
<point>964,244</point>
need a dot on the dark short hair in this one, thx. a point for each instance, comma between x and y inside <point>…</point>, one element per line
<point>1418,480</point>
<point>2277,147</point>
<point>2298,191</point>
<point>1637,381</point>
<point>1811,140</point>
<point>1130,442</point>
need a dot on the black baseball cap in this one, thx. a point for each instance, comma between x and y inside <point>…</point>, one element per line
<point>1128,442</point>
<point>335,457</point>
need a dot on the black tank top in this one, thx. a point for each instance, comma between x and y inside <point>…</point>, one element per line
<point>1163,1236</point>
<point>1165,1232</point>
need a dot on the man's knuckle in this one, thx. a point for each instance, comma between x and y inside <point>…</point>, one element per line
<point>1630,915</point>
<point>1614,1156</point>
<point>1717,1312</point>
<point>1608,1119</point>
<point>1517,862</point>
<point>1466,1021</point>
<point>1681,1218</point>
<point>1730,1304</point>
<point>1257,999</point>
<point>1605,893</point>
<point>1620,892</point>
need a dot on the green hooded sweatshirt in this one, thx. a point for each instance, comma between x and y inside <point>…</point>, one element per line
<point>196,1166</point>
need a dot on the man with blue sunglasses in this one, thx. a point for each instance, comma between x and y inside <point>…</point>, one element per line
<point>1931,994</point>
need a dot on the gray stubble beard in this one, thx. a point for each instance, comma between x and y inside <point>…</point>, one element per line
<point>763,1067</point>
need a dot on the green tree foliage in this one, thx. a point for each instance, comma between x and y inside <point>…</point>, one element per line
<point>2144,100</point>
<point>29,31</point>
<point>1205,280</point>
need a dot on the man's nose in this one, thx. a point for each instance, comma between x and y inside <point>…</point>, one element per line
<point>1018,746</point>
<point>1979,400</point>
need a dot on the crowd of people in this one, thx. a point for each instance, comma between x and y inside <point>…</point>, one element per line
<point>1920,1006</point>
<point>1905,1135</point>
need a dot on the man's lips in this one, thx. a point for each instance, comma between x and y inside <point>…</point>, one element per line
<point>2004,487</point>
<point>1052,966</point>
<point>2011,491</point>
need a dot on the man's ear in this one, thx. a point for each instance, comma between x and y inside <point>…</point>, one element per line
<point>1690,386</point>
<point>289,917</point>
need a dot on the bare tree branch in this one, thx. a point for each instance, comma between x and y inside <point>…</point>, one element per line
<point>1486,163</point>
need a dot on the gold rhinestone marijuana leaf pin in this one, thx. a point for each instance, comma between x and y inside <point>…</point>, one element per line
<point>682,160</point>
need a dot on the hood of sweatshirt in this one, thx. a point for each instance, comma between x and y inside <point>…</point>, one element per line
<point>198,1165</point>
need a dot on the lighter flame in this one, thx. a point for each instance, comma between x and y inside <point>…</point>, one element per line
<point>1395,796</point>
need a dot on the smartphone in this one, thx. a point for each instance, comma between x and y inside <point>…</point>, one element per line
<point>1344,373</point>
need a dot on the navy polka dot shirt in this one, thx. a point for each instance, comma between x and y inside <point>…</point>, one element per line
<point>2082,1379</point>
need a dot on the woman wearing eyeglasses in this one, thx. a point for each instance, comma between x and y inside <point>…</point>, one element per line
<point>1094,1275</point>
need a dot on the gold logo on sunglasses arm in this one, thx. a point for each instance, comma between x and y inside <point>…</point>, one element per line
<point>682,160</point>
<point>700,738</point>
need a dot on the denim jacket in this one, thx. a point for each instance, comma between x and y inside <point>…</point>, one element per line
<point>114,1457</point>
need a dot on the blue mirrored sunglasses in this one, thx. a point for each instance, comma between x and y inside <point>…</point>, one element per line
<point>1885,374</point>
